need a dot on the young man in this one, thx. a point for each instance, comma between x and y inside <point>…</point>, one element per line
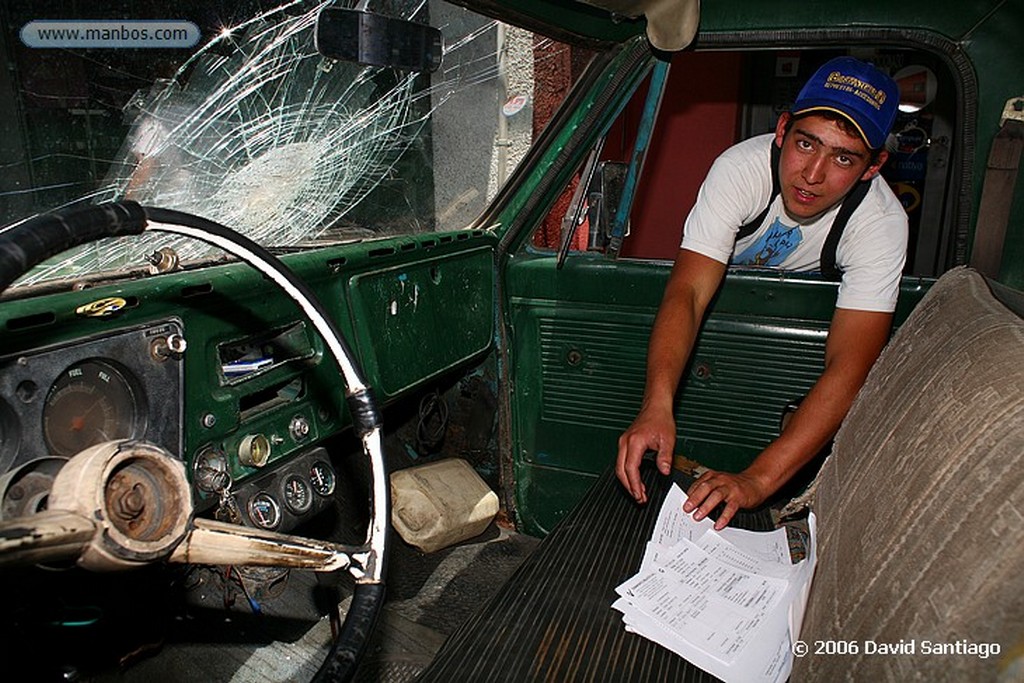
<point>829,144</point>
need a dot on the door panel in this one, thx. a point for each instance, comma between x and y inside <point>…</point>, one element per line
<point>579,347</point>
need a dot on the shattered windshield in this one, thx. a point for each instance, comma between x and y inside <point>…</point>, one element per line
<point>227,110</point>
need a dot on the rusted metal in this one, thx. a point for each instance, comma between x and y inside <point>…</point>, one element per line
<point>214,542</point>
<point>47,536</point>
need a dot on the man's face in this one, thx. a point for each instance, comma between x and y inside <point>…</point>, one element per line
<point>820,164</point>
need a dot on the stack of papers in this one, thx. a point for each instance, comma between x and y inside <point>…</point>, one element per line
<point>728,601</point>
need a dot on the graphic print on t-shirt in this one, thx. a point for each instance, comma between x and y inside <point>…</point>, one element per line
<point>772,248</point>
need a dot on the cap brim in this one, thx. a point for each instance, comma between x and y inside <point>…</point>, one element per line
<point>822,107</point>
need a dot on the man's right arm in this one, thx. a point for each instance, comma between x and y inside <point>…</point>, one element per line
<point>693,282</point>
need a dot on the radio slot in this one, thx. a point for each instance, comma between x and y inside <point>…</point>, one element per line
<point>250,357</point>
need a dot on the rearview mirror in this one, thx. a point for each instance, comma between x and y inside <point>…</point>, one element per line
<point>355,35</point>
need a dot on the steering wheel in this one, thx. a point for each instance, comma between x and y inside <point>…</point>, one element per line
<point>128,503</point>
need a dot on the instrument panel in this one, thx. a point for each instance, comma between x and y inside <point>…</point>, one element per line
<point>130,384</point>
<point>58,401</point>
<point>279,500</point>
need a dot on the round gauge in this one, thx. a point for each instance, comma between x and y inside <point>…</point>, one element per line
<point>24,490</point>
<point>322,476</point>
<point>91,402</point>
<point>10,437</point>
<point>298,497</point>
<point>264,511</point>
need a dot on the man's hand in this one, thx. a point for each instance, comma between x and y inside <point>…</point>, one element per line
<point>655,430</point>
<point>690,287</point>
<point>854,341</point>
<point>713,488</point>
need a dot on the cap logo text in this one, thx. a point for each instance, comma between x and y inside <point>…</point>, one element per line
<point>862,89</point>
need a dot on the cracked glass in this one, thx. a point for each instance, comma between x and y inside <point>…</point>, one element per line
<point>226,110</point>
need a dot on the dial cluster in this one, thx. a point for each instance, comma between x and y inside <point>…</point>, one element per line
<point>290,495</point>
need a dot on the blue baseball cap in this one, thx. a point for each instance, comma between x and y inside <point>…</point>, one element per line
<point>864,95</point>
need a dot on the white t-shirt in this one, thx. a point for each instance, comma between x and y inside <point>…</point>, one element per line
<point>870,254</point>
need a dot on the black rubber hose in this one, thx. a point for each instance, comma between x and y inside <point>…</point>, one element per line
<point>30,243</point>
<point>350,644</point>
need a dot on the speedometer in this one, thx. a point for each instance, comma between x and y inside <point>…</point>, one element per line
<point>92,401</point>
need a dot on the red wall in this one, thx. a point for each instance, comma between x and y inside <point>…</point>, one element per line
<point>699,118</point>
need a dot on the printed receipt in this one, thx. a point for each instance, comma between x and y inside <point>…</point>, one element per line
<point>730,602</point>
<point>704,600</point>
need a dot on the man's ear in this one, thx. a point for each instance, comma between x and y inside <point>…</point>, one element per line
<point>780,128</point>
<point>874,168</point>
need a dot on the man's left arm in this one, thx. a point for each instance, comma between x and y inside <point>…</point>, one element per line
<point>854,341</point>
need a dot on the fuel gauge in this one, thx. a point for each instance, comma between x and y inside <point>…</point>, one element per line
<point>90,402</point>
<point>297,495</point>
<point>264,511</point>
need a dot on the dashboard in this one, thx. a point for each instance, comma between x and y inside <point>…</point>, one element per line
<point>58,400</point>
<point>219,368</point>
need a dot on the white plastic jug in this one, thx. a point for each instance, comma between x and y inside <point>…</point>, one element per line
<point>440,503</point>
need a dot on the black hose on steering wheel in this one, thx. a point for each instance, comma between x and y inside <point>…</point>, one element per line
<point>28,243</point>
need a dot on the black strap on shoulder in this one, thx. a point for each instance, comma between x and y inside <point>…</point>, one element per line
<point>835,233</point>
<point>751,227</point>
